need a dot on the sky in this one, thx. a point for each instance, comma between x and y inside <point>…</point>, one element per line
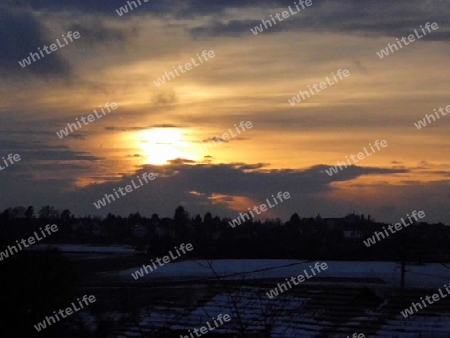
<point>164,128</point>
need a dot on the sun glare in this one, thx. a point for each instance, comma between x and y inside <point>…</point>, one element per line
<point>160,145</point>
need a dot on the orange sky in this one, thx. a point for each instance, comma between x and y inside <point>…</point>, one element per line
<point>249,79</point>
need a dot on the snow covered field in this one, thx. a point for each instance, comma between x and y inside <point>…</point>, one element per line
<point>431,276</point>
<point>347,297</point>
<point>85,249</point>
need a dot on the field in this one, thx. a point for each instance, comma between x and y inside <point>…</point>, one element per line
<point>347,298</point>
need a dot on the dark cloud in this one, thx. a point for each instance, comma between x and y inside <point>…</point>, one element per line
<point>215,139</point>
<point>39,151</point>
<point>165,97</point>
<point>103,6</point>
<point>369,18</point>
<point>21,34</point>
<point>174,8</point>
<point>232,28</point>
<point>181,161</point>
<point>360,67</point>
<point>112,128</point>
<point>161,125</point>
<point>250,166</point>
<point>77,136</point>
<point>168,125</point>
<point>308,189</point>
<point>44,133</point>
<point>96,31</point>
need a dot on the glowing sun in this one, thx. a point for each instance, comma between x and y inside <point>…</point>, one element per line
<point>159,145</point>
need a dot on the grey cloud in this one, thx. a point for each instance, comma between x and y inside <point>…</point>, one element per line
<point>232,28</point>
<point>370,18</point>
<point>181,161</point>
<point>164,97</point>
<point>174,182</point>
<point>215,138</point>
<point>161,125</point>
<point>95,31</point>
<point>39,151</point>
<point>20,34</point>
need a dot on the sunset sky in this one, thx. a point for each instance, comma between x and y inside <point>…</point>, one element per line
<point>162,129</point>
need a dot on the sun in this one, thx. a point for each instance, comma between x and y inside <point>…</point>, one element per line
<point>159,145</point>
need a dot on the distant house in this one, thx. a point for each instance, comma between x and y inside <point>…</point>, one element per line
<point>97,230</point>
<point>347,223</point>
<point>80,225</point>
<point>164,232</point>
<point>332,223</point>
<point>53,214</point>
<point>351,218</point>
<point>353,234</point>
<point>161,232</point>
<point>139,231</point>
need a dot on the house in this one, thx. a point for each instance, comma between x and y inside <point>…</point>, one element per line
<point>97,230</point>
<point>80,225</point>
<point>139,231</point>
<point>332,223</point>
<point>353,234</point>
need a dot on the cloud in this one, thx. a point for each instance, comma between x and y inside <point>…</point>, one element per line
<point>164,97</point>
<point>113,128</point>
<point>181,177</point>
<point>372,18</point>
<point>107,7</point>
<point>41,162</point>
<point>97,31</point>
<point>28,132</point>
<point>181,161</point>
<point>167,125</point>
<point>360,67</point>
<point>22,33</point>
<point>380,17</point>
<point>232,28</point>
<point>215,138</point>
<point>243,166</point>
<point>160,125</point>
<point>226,188</point>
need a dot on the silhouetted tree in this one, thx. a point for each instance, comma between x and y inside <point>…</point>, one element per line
<point>294,220</point>
<point>45,212</point>
<point>65,215</point>
<point>29,214</point>
<point>181,216</point>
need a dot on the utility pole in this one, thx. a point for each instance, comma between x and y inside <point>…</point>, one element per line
<point>403,252</point>
<point>402,277</point>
